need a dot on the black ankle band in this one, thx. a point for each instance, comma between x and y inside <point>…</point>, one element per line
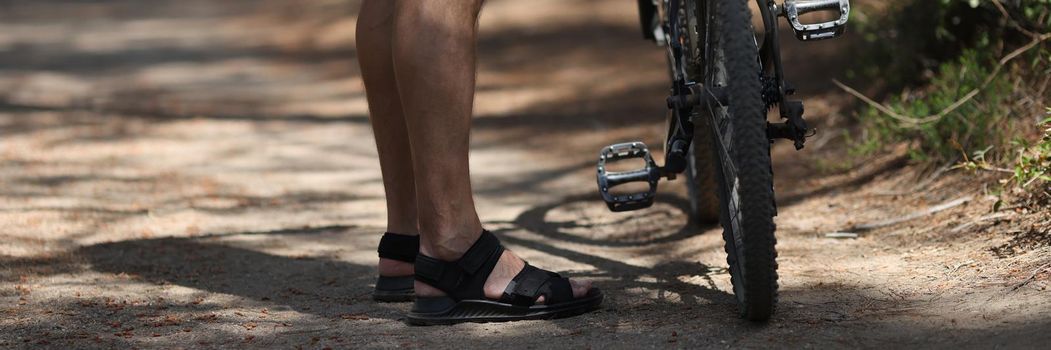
<point>463,278</point>
<point>399,247</point>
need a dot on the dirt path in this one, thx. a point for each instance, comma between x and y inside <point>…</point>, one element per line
<point>201,174</point>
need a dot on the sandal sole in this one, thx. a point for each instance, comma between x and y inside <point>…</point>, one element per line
<point>484,311</point>
<point>386,296</point>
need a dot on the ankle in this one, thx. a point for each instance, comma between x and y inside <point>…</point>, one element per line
<point>506,268</point>
<point>451,242</point>
<point>397,227</point>
<point>442,252</point>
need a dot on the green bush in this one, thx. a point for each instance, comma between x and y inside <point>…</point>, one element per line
<point>926,56</point>
<point>1034,161</point>
<point>974,125</point>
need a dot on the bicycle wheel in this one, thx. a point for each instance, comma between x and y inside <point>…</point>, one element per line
<point>742,154</point>
<point>701,183</point>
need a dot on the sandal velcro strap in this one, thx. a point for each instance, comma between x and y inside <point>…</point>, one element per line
<point>399,247</point>
<point>464,278</point>
<point>532,283</point>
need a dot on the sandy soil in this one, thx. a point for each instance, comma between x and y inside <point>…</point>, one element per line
<point>201,174</point>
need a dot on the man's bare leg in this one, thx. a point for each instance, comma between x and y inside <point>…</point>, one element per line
<point>374,35</point>
<point>434,61</point>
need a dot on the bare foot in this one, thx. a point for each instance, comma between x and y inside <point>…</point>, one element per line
<point>504,271</point>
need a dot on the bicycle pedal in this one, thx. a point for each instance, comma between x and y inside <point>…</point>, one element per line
<point>650,174</point>
<point>794,9</point>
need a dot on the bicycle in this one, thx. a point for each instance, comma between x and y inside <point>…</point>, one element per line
<point>723,83</point>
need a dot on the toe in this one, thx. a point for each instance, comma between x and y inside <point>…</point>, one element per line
<point>580,289</point>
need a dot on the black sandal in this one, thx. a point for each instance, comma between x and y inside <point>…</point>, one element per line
<point>401,248</point>
<point>463,282</point>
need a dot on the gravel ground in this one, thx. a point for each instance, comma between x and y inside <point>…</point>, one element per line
<point>201,174</point>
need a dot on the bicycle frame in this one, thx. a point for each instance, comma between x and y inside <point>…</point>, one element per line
<point>687,95</point>
<point>659,19</point>
<point>738,166</point>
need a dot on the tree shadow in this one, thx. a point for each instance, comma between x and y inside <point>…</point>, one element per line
<point>98,64</point>
<point>87,115</point>
<point>311,285</point>
<point>119,71</point>
<point>535,221</point>
<point>848,181</point>
<point>621,276</point>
